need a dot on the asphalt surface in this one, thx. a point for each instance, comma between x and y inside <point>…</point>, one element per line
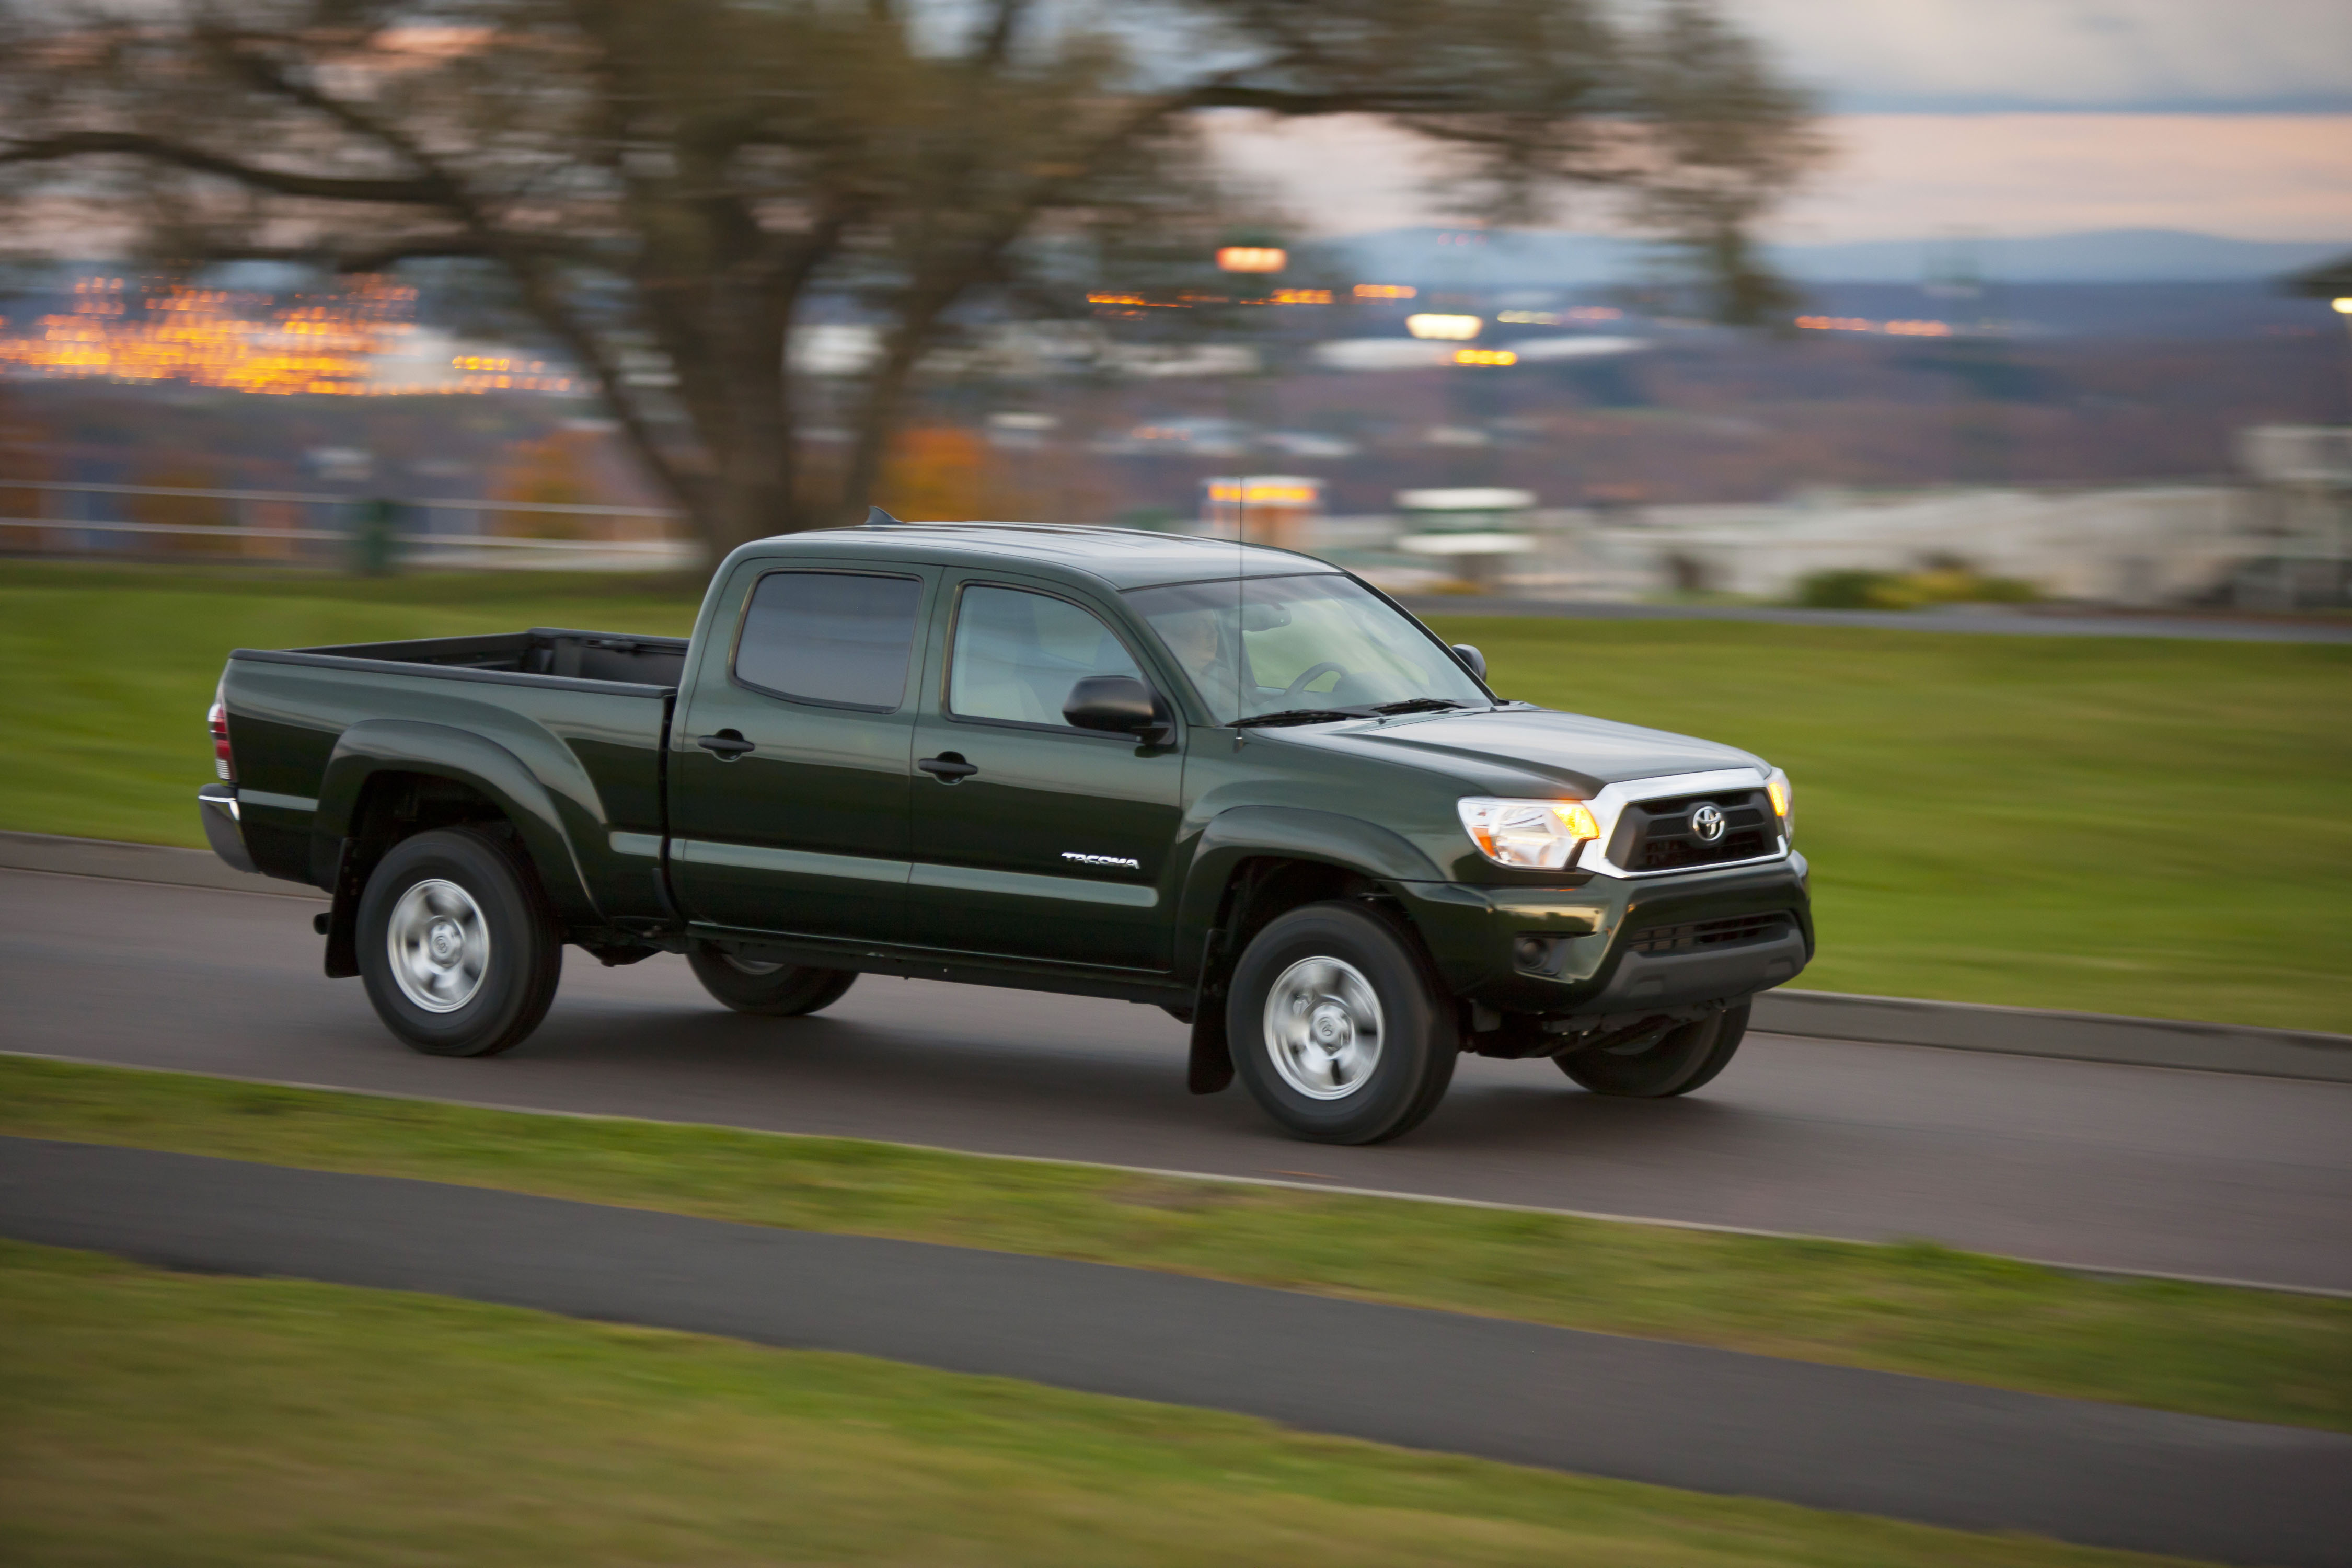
<point>1682,1415</point>
<point>2099,1166</point>
<point>1983,618</point>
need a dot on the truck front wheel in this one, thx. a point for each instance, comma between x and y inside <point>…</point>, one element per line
<point>773,989</point>
<point>1338,1030</point>
<point>1675,1062</point>
<point>456,948</point>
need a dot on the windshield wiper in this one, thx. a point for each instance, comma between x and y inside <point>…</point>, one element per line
<point>1306,716</point>
<point>1419,705</point>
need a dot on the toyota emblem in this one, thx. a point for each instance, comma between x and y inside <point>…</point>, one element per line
<point>1708,823</point>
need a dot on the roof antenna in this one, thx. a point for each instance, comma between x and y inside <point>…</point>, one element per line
<point>1240,578</point>
<point>876,518</point>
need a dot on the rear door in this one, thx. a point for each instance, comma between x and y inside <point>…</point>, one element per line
<point>1033,839</point>
<point>789,774</point>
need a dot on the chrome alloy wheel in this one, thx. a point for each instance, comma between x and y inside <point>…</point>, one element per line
<point>1323,1027</point>
<point>439,944</point>
<point>750,967</point>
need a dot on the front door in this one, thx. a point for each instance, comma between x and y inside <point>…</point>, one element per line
<point>1032,839</point>
<point>789,768</point>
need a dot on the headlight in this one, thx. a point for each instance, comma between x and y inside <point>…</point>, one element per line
<point>1777,787</point>
<point>1542,833</point>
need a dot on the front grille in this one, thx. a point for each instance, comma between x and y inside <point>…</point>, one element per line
<point>1657,835</point>
<point>1734,932</point>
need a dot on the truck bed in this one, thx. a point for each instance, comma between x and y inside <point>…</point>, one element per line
<point>566,727</point>
<point>542,650</point>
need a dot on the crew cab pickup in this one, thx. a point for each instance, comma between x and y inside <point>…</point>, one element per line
<point>1234,781</point>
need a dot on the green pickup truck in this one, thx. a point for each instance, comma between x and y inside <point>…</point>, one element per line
<point>1233,782</point>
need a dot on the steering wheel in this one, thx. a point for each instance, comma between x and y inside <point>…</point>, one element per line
<point>1307,677</point>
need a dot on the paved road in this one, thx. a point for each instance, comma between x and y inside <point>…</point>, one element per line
<point>2119,1167</point>
<point>1979,618</point>
<point>1683,1415</point>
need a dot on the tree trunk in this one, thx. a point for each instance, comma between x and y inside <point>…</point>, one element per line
<point>732,380</point>
<point>885,396</point>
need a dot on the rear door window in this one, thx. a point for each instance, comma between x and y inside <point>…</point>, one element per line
<point>841,639</point>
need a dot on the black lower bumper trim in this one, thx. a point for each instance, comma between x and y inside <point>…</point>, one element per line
<point>1680,979</point>
<point>217,804</point>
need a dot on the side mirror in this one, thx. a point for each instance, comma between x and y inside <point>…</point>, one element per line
<point>1121,705</point>
<point>1473,657</point>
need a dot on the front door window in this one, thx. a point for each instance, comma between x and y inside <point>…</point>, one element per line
<point>1018,654</point>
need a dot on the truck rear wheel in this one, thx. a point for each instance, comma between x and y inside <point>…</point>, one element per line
<point>1338,1030</point>
<point>1675,1062</point>
<point>770,990</point>
<point>458,949</point>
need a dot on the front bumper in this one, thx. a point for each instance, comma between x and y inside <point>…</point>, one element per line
<point>224,825</point>
<point>1596,948</point>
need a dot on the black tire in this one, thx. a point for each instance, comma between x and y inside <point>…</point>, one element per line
<point>770,990</point>
<point>1358,1097</point>
<point>1676,1062</point>
<point>464,1008</point>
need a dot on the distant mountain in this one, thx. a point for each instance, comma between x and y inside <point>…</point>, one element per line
<point>1440,258</point>
<point>2096,256</point>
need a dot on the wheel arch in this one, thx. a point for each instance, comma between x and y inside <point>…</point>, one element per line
<point>1252,864</point>
<point>390,779</point>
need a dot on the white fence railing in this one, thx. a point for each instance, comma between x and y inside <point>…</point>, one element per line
<point>621,538</point>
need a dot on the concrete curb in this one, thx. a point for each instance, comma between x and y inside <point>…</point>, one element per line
<point>2046,1032</point>
<point>138,863</point>
<point>1819,1014</point>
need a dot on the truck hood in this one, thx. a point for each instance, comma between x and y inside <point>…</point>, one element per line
<point>1509,749</point>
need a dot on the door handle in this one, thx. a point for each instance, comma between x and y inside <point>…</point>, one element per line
<point>947,767</point>
<point>726,745</point>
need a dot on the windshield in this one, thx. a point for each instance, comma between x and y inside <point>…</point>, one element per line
<point>1286,644</point>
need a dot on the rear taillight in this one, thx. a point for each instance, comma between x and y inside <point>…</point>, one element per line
<point>224,763</point>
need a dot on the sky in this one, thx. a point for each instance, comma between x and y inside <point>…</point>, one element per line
<point>1991,117</point>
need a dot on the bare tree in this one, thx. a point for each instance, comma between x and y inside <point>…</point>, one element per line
<point>702,176</point>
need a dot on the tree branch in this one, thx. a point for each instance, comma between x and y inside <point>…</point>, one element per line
<point>997,41</point>
<point>201,161</point>
<point>542,295</point>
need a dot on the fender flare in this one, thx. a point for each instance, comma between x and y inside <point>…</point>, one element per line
<point>375,746</point>
<point>1289,833</point>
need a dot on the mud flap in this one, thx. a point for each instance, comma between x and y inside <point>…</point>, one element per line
<point>343,915</point>
<point>1212,1065</point>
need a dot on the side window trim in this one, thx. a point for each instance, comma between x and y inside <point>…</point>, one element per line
<point>914,638</point>
<point>948,661</point>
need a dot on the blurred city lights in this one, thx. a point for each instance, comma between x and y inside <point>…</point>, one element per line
<point>1252,258</point>
<point>2343,307</point>
<point>1446,328</point>
<point>1385,291</point>
<point>247,343</point>
<point>1302,296</point>
<point>1556,318</point>
<point>1485,356</point>
<point>1864,324</point>
<point>1283,489</point>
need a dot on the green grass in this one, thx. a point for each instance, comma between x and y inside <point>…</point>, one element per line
<point>2116,825</point>
<point>2256,1355</point>
<point>156,1417</point>
<point>109,671</point>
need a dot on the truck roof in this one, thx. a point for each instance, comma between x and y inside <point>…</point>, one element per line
<point>1123,557</point>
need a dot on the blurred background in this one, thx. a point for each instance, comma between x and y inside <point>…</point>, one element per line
<point>1831,303</point>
